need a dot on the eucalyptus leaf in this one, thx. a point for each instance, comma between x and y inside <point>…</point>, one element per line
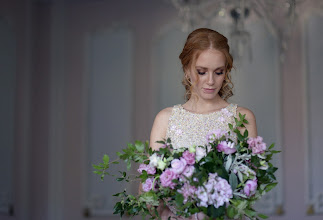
<point>233,181</point>
<point>228,163</point>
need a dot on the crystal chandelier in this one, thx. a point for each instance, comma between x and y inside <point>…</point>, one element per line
<point>278,15</point>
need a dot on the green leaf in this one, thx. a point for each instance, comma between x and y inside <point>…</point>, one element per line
<point>262,216</point>
<point>97,167</point>
<point>215,212</point>
<point>150,198</point>
<point>250,213</point>
<point>270,186</point>
<point>106,159</point>
<point>128,165</point>
<point>115,162</point>
<point>245,134</point>
<point>139,146</point>
<point>233,181</point>
<point>179,198</point>
<point>231,212</point>
<point>271,146</point>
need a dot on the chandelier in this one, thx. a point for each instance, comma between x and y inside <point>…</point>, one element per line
<point>278,15</point>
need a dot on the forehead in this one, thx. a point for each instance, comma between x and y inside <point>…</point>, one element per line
<point>211,58</point>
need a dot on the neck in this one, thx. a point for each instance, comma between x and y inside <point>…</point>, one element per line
<point>199,105</point>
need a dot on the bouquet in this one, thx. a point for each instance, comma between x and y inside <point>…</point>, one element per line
<point>222,179</point>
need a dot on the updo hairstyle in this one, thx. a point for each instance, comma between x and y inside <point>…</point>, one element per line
<point>199,40</point>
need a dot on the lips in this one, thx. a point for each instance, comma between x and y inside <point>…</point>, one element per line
<point>208,90</point>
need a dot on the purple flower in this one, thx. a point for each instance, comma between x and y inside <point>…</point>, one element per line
<point>148,185</point>
<point>166,178</point>
<point>149,169</point>
<point>257,145</point>
<point>250,187</point>
<point>178,165</point>
<point>226,147</point>
<point>216,191</point>
<point>215,134</point>
<point>189,157</point>
<point>188,171</point>
<point>187,190</point>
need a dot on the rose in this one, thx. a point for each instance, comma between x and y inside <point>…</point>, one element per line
<point>226,147</point>
<point>189,157</point>
<point>161,164</point>
<point>148,184</point>
<point>154,160</point>
<point>149,169</point>
<point>250,187</point>
<point>166,178</point>
<point>178,165</point>
<point>256,145</point>
<point>200,153</point>
<point>188,171</point>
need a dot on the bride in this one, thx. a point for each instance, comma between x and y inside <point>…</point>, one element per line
<point>206,63</point>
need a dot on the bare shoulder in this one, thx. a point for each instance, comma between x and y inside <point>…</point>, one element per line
<point>244,111</point>
<point>164,114</point>
<point>250,117</point>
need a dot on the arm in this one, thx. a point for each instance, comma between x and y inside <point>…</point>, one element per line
<point>158,131</point>
<point>250,117</point>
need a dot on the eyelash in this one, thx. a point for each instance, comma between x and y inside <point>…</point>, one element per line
<point>217,73</point>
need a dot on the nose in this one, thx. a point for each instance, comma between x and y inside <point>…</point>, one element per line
<point>211,79</point>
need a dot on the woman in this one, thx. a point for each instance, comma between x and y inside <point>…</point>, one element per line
<point>206,63</point>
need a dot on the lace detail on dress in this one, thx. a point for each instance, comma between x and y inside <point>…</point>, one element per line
<point>186,128</point>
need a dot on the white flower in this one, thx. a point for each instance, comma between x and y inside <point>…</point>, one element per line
<point>161,164</point>
<point>200,153</point>
<point>264,165</point>
<point>154,160</point>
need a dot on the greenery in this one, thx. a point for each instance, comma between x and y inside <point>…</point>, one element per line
<point>146,203</point>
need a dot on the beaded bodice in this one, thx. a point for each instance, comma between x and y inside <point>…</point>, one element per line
<point>186,128</point>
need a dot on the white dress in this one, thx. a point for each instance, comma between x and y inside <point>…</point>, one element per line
<point>186,128</point>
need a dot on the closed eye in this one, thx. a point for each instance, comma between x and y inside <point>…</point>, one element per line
<point>219,73</point>
<point>201,72</point>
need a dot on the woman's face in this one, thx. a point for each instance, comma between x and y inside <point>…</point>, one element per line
<point>208,73</point>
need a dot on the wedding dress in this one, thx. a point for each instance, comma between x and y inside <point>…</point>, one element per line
<point>186,128</point>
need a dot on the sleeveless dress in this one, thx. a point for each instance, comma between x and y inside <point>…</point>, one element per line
<point>186,128</point>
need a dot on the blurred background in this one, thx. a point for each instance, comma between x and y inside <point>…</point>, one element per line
<point>81,78</point>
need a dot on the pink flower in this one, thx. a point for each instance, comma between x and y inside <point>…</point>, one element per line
<point>257,145</point>
<point>149,169</point>
<point>148,185</point>
<point>178,165</point>
<point>188,171</point>
<point>187,190</point>
<point>216,134</point>
<point>166,178</point>
<point>226,147</point>
<point>250,187</point>
<point>189,157</point>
